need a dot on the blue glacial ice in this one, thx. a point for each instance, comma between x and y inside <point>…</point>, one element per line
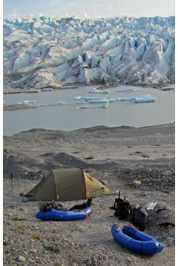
<point>94,90</point>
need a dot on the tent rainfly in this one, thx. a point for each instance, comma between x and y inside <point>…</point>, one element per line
<point>67,184</point>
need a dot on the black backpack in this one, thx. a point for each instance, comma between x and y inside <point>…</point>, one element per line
<point>122,208</point>
<point>139,217</point>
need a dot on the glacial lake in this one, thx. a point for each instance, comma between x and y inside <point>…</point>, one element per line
<point>70,116</point>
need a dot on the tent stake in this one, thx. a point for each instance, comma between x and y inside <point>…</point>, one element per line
<point>12,183</point>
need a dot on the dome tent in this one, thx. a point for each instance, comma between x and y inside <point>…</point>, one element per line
<point>67,184</point>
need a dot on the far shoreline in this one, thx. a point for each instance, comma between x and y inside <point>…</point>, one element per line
<point>162,86</point>
<point>13,107</point>
<point>92,129</point>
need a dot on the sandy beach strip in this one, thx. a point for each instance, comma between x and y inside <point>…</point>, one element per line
<point>13,107</point>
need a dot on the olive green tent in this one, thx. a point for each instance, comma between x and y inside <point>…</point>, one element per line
<point>67,184</point>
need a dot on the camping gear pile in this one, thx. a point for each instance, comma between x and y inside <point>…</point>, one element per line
<point>75,184</point>
<point>136,215</point>
<point>47,206</point>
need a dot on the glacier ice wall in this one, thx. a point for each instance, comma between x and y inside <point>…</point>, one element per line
<point>46,52</point>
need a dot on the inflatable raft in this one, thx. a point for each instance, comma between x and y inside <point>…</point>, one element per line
<point>134,240</point>
<point>56,215</point>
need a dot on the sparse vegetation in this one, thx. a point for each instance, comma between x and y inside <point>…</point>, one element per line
<point>52,249</point>
<point>35,236</point>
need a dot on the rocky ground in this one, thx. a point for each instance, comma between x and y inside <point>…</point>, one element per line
<point>116,156</point>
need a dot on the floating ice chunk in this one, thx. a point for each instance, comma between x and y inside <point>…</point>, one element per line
<point>89,107</point>
<point>104,92</point>
<point>96,101</point>
<point>62,103</point>
<point>86,99</point>
<point>81,102</point>
<point>126,90</point>
<point>94,90</point>
<point>113,100</point>
<point>172,122</point>
<point>104,106</point>
<point>127,99</point>
<point>43,104</point>
<point>83,107</point>
<point>28,101</point>
<point>17,103</point>
<point>143,96</point>
<point>144,99</point>
<point>59,103</point>
<point>78,98</point>
<point>138,98</point>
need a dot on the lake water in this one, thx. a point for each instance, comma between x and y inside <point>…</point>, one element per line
<point>70,117</point>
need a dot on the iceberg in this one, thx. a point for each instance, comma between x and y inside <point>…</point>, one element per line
<point>43,104</point>
<point>113,100</point>
<point>96,101</point>
<point>147,99</point>
<point>139,98</point>
<point>86,99</point>
<point>17,103</point>
<point>94,90</point>
<point>126,90</point>
<point>81,102</point>
<point>172,122</point>
<point>143,96</point>
<point>127,99</point>
<point>88,107</point>
<point>77,98</point>
<point>83,107</point>
<point>104,92</point>
<point>62,103</point>
<point>59,103</point>
<point>28,101</point>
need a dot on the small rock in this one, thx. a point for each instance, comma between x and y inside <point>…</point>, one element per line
<point>116,192</point>
<point>33,251</point>
<point>104,182</point>
<point>136,183</point>
<point>143,194</point>
<point>21,258</point>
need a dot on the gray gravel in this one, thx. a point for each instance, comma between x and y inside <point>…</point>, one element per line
<point>116,156</point>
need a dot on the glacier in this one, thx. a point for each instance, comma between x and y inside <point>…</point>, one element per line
<point>43,52</point>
